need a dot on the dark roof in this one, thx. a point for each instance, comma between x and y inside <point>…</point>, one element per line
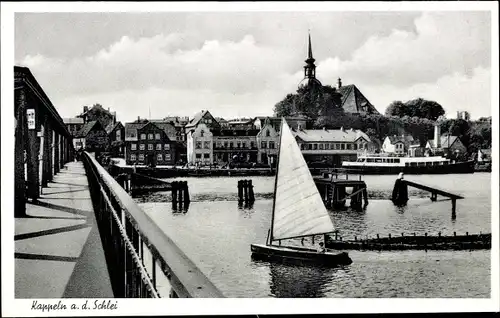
<point>445,141</point>
<point>109,129</point>
<point>353,101</point>
<point>84,131</point>
<point>197,117</point>
<point>131,129</point>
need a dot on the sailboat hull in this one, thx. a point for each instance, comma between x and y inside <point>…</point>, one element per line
<point>303,255</point>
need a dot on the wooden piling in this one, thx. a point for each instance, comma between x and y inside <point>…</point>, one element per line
<point>240,190</point>
<point>251,195</point>
<point>400,192</point>
<point>174,194</point>
<point>187,198</point>
<point>453,208</point>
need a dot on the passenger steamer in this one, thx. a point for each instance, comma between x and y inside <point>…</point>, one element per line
<point>379,164</point>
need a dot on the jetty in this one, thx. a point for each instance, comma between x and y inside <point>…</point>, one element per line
<point>333,185</point>
<point>400,193</point>
<point>413,242</point>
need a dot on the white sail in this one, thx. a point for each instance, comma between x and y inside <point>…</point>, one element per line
<point>298,207</point>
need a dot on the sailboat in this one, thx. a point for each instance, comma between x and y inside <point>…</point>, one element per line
<point>298,210</point>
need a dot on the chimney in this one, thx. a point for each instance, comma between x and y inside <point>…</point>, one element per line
<point>138,118</point>
<point>339,83</point>
<point>437,136</point>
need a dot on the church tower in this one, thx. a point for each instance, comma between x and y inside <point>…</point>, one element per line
<point>310,69</point>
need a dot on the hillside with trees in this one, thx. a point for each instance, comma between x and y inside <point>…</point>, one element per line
<point>415,117</point>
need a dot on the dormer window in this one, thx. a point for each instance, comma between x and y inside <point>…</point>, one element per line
<point>202,132</point>
<point>268,133</point>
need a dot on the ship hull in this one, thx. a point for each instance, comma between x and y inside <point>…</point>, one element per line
<point>459,167</point>
<point>297,254</point>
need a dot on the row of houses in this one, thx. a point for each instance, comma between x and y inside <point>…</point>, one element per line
<point>440,145</point>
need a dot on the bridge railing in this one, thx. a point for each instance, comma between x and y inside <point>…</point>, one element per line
<point>143,261</point>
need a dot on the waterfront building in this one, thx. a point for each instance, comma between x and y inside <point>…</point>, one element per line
<point>444,145</point>
<point>203,117</point>
<point>199,145</point>
<point>235,144</point>
<point>267,142</point>
<point>147,143</point>
<point>73,124</point>
<point>416,150</point>
<point>97,112</point>
<point>179,123</point>
<point>397,145</point>
<point>92,137</point>
<point>484,155</point>
<point>116,137</point>
<point>332,146</point>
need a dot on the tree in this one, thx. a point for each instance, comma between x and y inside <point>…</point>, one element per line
<point>396,108</point>
<point>416,108</point>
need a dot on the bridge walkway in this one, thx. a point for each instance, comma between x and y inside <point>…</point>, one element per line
<point>58,249</point>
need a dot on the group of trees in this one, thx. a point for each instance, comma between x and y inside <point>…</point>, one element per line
<point>415,117</point>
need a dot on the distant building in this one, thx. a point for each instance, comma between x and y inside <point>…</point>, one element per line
<point>116,136</point>
<point>92,137</point>
<point>235,144</point>
<point>97,112</point>
<point>416,150</point>
<point>465,115</point>
<point>147,143</point>
<point>268,143</point>
<point>484,155</point>
<point>398,145</point>
<point>444,145</point>
<point>203,117</point>
<point>73,124</point>
<point>295,122</point>
<point>199,145</point>
<point>353,101</point>
<point>332,146</point>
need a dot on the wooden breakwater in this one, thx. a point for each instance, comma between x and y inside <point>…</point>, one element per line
<point>413,242</point>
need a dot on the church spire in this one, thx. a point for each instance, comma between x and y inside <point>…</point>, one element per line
<point>310,67</point>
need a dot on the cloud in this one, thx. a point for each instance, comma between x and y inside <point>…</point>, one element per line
<point>443,44</point>
<point>440,56</point>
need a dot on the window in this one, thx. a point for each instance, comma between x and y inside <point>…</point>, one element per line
<point>302,147</point>
<point>198,156</point>
<point>225,144</point>
<point>315,146</point>
<point>206,156</point>
<point>159,157</point>
<point>142,147</point>
<point>337,146</point>
<point>166,146</point>
<point>342,146</point>
<point>243,145</point>
<point>309,146</point>
<point>207,144</point>
<point>238,144</point>
<point>271,145</point>
<point>349,146</point>
<point>263,145</point>
<point>355,147</point>
<point>158,146</point>
<point>132,157</point>
<point>320,146</point>
<point>252,144</point>
<point>150,136</point>
<point>157,136</point>
<point>327,146</point>
<point>150,146</point>
<point>230,144</point>
<point>143,136</point>
<point>118,135</point>
<point>268,133</point>
<point>141,157</point>
<point>202,132</point>
<point>133,146</point>
<point>198,145</point>
<point>167,157</point>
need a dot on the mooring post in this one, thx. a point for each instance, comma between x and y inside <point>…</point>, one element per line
<point>433,196</point>
<point>313,239</point>
<point>240,190</point>
<point>245,189</point>
<point>187,199</point>
<point>453,208</point>
<point>181,184</point>
<point>251,195</point>
<point>400,192</point>
<point>174,194</point>
<point>365,196</point>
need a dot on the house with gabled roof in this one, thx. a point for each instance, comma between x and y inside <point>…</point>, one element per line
<point>353,101</point>
<point>148,143</point>
<point>204,117</point>
<point>92,137</point>
<point>398,145</point>
<point>116,136</point>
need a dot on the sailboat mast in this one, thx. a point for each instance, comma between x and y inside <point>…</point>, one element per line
<point>276,182</point>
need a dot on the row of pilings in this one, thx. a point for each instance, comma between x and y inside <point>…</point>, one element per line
<point>245,191</point>
<point>180,195</point>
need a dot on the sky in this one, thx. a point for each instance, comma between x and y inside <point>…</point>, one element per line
<point>240,64</point>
